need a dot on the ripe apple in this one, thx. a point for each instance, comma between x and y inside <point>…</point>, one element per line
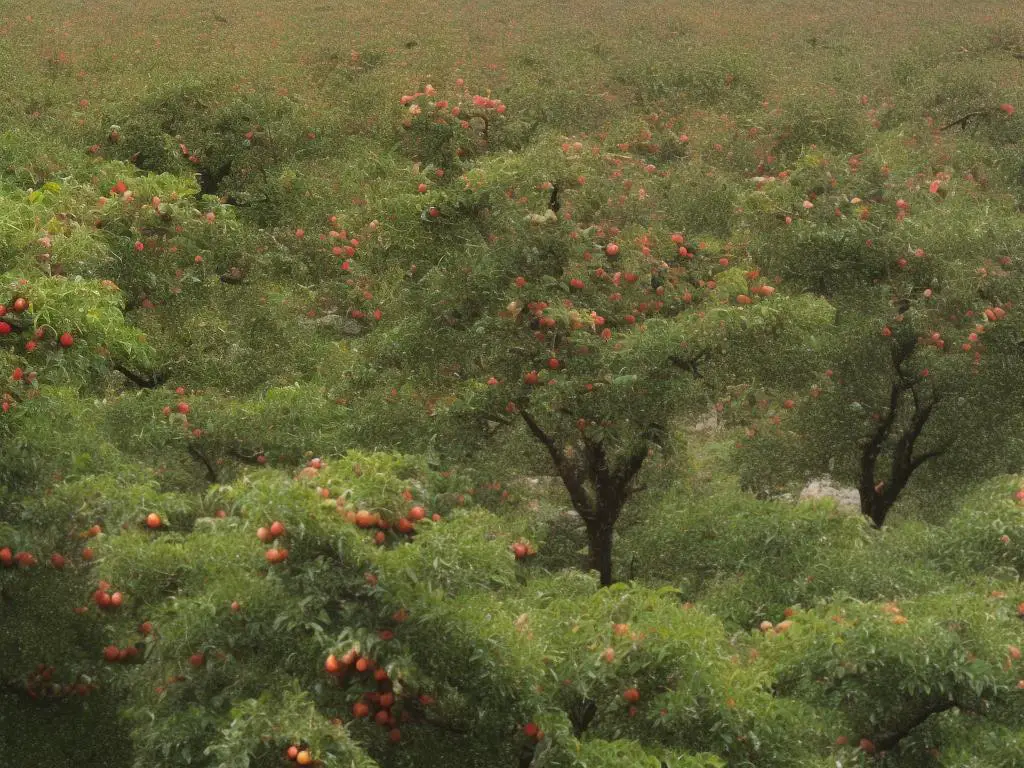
<point>275,556</point>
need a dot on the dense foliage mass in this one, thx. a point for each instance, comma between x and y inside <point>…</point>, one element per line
<point>395,393</point>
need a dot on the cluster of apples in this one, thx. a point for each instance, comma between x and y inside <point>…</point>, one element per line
<point>105,599</point>
<point>403,526</point>
<point>269,534</point>
<point>298,753</point>
<point>112,654</point>
<point>90,533</point>
<point>40,684</point>
<point>182,408</point>
<point>9,558</point>
<point>377,703</point>
<point>20,376</point>
<point>18,306</point>
<point>784,625</point>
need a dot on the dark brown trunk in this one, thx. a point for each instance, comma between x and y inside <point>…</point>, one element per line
<point>599,541</point>
<point>873,505</point>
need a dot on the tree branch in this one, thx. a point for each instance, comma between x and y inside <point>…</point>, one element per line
<point>211,472</point>
<point>570,475</point>
<point>918,461</point>
<point>629,470</point>
<point>888,741</point>
<point>155,379</point>
<point>691,363</point>
<point>246,459</point>
<point>597,465</point>
<point>962,121</point>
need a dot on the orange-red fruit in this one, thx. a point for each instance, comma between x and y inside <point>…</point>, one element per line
<point>395,735</point>
<point>196,660</point>
<point>277,529</point>
<point>360,709</point>
<point>263,534</point>
<point>417,513</point>
<point>153,520</point>
<point>632,695</point>
<point>57,561</point>
<point>304,758</point>
<point>292,752</point>
<point>111,653</point>
<point>332,665</point>
<point>382,717</point>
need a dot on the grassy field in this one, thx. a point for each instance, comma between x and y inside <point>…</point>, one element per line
<point>585,62</point>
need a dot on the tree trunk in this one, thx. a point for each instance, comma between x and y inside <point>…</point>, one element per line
<point>873,505</point>
<point>599,540</point>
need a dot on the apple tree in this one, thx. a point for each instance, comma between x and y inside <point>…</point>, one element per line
<point>919,375</point>
<point>551,292</point>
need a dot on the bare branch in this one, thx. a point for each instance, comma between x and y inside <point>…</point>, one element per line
<point>888,741</point>
<point>962,121</point>
<point>569,473</point>
<point>155,379</point>
<point>211,472</point>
